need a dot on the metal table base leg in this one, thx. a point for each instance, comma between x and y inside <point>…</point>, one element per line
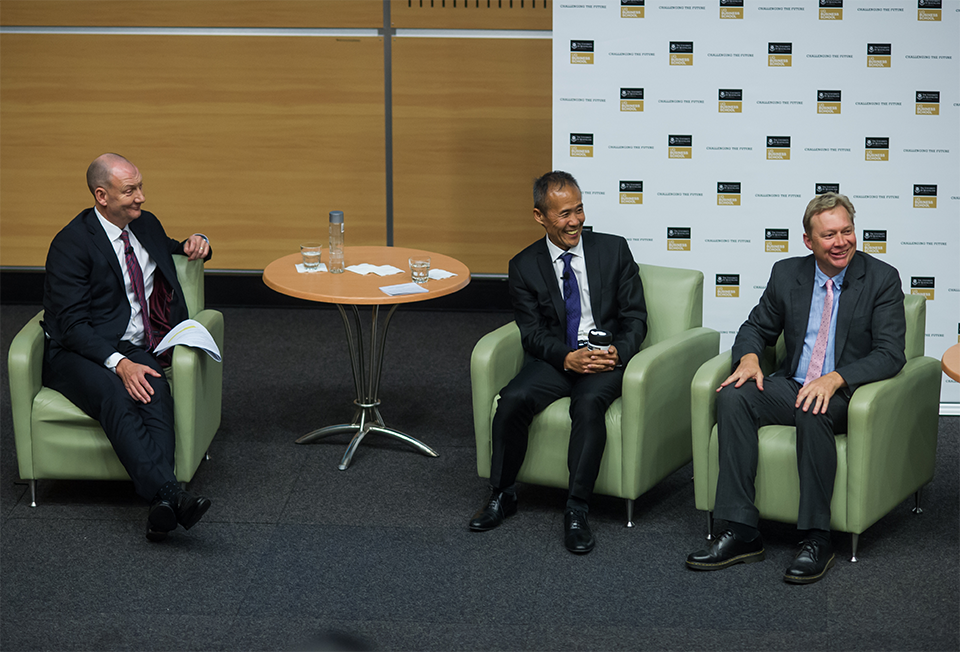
<point>367,387</point>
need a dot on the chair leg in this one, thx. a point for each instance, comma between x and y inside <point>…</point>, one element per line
<point>33,492</point>
<point>629,512</point>
<point>854,540</point>
<point>916,509</point>
<point>709,526</point>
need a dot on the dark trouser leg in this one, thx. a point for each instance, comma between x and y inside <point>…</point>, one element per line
<point>590,397</point>
<point>740,414</point>
<point>141,434</point>
<point>536,386</point>
<point>817,461</point>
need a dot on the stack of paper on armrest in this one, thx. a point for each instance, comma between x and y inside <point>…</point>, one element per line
<point>190,333</point>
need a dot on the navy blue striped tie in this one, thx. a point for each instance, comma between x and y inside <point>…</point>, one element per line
<point>571,300</point>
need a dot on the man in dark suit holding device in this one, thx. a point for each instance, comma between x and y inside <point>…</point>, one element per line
<point>110,294</point>
<point>841,314</point>
<point>561,287</point>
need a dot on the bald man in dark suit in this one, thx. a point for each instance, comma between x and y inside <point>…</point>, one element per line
<point>110,293</point>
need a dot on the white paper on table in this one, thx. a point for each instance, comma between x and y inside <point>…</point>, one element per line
<point>190,333</point>
<point>402,288</point>
<point>379,270</point>
<point>440,274</point>
<point>303,270</point>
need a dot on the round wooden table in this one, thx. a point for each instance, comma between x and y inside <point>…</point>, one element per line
<point>950,363</point>
<point>349,291</point>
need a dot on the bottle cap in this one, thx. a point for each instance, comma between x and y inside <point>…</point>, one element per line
<point>336,217</point>
<point>599,337</point>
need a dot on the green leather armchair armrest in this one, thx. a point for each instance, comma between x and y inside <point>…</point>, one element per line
<point>496,359</point>
<point>891,440</point>
<point>25,364</point>
<point>652,383</point>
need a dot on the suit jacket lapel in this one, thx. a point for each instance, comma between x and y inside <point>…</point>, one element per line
<point>102,242</point>
<point>594,277</point>
<point>849,296</point>
<point>157,253</point>
<point>800,297</point>
<point>550,281</point>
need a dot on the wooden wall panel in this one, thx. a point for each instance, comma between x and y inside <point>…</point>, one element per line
<point>194,13</point>
<point>251,140</point>
<point>472,130</point>
<point>472,14</point>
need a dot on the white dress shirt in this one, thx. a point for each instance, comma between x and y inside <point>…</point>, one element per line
<point>135,330</point>
<point>579,266</point>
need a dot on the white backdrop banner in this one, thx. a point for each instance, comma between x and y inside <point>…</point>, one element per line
<point>699,130</point>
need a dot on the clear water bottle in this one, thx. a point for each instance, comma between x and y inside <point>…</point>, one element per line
<point>335,256</point>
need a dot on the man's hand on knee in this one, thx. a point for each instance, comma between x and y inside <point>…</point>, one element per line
<point>748,369</point>
<point>818,392</point>
<point>134,377</point>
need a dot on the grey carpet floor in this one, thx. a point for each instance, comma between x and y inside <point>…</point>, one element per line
<point>295,554</point>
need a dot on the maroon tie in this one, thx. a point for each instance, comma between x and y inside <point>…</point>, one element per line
<point>136,279</point>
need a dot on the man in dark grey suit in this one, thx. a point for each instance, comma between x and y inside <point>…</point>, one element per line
<point>561,287</point>
<point>110,293</point>
<point>841,314</point>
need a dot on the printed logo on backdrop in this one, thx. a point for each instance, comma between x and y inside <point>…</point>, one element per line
<point>631,192</point>
<point>679,146</point>
<point>728,285</point>
<point>828,102</point>
<point>879,55</point>
<point>731,100</point>
<point>681,53</point>
<point>776,241</point>
<point>929,10</point>
<point>922,285</point>
<point>823,188</point>
<point>874,242</point>
<point>728,193</point>
<point>924,195</point>
<point>581,145</point>
<point>831,9</point>
<point>631,100</point>
<point>877,149</point>
<point>581,52</point>
<point>779,55</point>
<point>631,8</point>
<point>678,238</point>
<point>731,9</point>
<point>928,102</point>
<point>778,148</point>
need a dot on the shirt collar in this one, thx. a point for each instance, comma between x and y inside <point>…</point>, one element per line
<point>556,252</point>
<point>112,230</point>
<point>821,279</point>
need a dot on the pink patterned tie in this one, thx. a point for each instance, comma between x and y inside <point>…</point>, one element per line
<point>820,346</point>
<point>136,279</point>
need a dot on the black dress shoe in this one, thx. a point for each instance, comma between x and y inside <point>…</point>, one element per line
<point>160,519</point>
<point>727,550</point>
<point>189,508</point>
<point>497,509</point>
<point>577,536</point>
<point>811,563</point>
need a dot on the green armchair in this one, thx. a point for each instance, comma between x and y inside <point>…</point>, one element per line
<point>648,428</point>
<point>56,440</point>
<point>887,454</point>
